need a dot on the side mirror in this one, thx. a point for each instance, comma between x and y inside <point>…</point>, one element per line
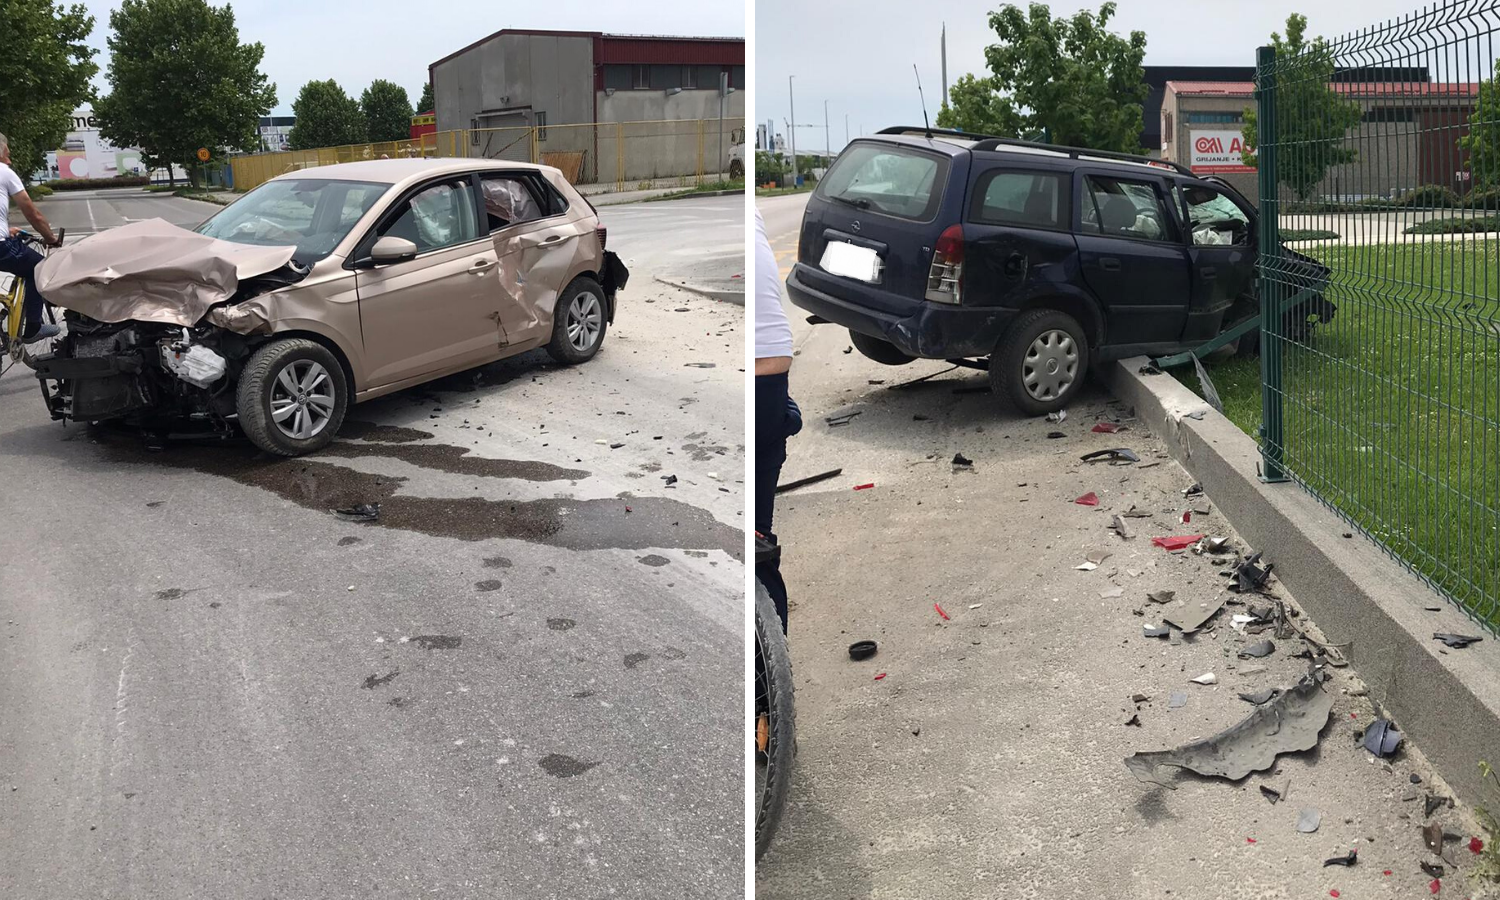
<point>391,249</point>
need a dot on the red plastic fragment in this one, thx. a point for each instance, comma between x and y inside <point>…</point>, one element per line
<point>1187,516</point>
<point>1106,428</point>
<point>941,613</point>
<point>864,487</point>
<point>1387,871</point>
<point>1177,542</point>
<point>1437,885</point>
<point>1089,499</point>
<point>1249,840</point>
<point>880,676</point>
<point>1476,845</point>
<point>1333,893</point>
<point>627,509</point>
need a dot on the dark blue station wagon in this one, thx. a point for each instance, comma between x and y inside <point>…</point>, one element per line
<point>1046,260</point>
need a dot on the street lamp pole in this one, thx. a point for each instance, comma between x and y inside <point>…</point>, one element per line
<point>792,127</point>
<point>846,129</point>
<point>827,143</point>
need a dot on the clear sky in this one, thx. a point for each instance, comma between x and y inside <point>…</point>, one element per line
<point>357,42</point>
<point>857,56</point>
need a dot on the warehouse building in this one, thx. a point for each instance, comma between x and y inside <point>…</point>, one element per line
<point>494,92</point>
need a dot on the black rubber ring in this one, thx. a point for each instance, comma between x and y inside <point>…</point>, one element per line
<point>861,650</point>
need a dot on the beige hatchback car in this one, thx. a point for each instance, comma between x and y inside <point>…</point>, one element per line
<point>322,288</point>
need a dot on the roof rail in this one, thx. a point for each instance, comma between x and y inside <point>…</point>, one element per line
<point>994,143</point>
<point>923,131</point>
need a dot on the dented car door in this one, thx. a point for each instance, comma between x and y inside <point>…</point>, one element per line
<point>536,243</point>
<point>439,310</point>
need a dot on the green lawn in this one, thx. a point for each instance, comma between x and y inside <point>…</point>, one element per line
<point>1392,411</point>
<point>710,187</point>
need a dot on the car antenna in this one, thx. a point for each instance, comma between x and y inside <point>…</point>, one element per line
<point>923,99</point>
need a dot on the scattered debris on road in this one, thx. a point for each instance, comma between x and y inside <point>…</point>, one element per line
<point>1117,525</point>
<point>1457,641</point>
<point>1089,499</point>
<point>804,482</point>
<point>1382,738</point>
<point>842,418</point>
<point>1189,620</point>
<point>940,612</point>
<point>1206,678</point>
<point>1308,820</point>
<point>1057,418</point>
<point>960,460</point>
<point>1176,542</point>
<point>1116,456</point>
<point>1259,698</point>
<point>1108,428</point>
<point>1250,576</point>
<point>1346,860</point>
<point>862,650</point>
<point>360,512</point>
<point>1257,650</point>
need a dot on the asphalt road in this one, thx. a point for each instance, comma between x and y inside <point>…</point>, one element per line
<point>525,680</point>
<point>987,762</point>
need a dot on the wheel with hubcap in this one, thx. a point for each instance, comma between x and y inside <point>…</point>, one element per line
<point>1040,363</point>
<point>579,322</point>
<point>292,397</point>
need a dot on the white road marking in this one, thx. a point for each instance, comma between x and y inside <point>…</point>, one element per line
<point>93,225</point>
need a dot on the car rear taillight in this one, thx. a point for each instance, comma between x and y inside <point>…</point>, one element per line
<point>945,280</point>
<point>602,234</point>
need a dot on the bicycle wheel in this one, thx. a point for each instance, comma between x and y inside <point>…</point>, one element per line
<point>771,736</point>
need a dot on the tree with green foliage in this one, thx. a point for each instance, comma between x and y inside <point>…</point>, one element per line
<point>427,104</point>
<point>326,117</point>
<point>1312,119</point>
<point>1071,81</point>
<point>45,68</point>
<point>179,80</point>
<point>387,111</point>
<point>1483,140</point>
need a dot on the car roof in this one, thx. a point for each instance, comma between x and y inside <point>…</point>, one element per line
<point>954,144</point>
<point>395,171</point>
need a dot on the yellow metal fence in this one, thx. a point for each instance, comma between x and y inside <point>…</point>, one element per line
<point>684,152</point>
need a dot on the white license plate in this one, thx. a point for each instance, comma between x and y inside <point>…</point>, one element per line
<point>849,261</point>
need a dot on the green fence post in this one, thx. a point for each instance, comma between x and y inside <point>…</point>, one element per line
<point>1271,289</point>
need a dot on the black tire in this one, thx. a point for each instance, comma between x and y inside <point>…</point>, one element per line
<point>562,347</point>
<point>736,170</point>
<point>773,698</point>
<point>883,352</point>
<point>1012,361</point>
<point>260,385</point>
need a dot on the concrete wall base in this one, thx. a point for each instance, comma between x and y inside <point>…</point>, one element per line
<point>1447,701</point>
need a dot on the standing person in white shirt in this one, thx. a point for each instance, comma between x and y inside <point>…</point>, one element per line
<point>776,415</point>
<point>15,256</point>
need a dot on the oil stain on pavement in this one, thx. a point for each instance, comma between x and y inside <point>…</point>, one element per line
<point>559,765</point>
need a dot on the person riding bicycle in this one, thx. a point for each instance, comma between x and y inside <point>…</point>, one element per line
<point>776,414</point>
<point>16,257</point>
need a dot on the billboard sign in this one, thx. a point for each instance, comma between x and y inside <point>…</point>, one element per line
<point>1217,152</point>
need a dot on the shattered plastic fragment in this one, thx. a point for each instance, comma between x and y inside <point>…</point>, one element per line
<point>1457,641</point>
<point>1156,630</point>
<point>1089,499</point>
<point>940,612</point>
<point>1259,698</point>
<point>1250,576</point>
<point>1437,885</point>
<point>1347,859</point>
<point>1257,650</point>
<point>1189,619</point>
<point>1059,417</point>
<point>1432,836</point>
<point>360,512</point>
<point>1053,435</point>
<point>1117,524</point>
<point>1382,738</point>
<point>1476,846</point>
<point>1176,700</point>
<point>1206,678</point>
<point>864,487</point>
<point>1308,820</point>
<point>1290,723</point>
<point>960,460</point>
<point>1177,542</point>
<point>1106,428</point>
<point>1135,512</point>
<point>1192,490</point>
<point>1433,869</point>
<point>1111,593</point>
<point>1116,454</point>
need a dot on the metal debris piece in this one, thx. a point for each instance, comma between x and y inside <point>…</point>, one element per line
<point>1289,724</point>
<point>1277,791</point>
<point>1057,418</point>
<point>960,460</point>
<point>842,418</point>
<point>1433,869</point>
<point>1149,369</point>
<point>1253,670</point>
<point>1177,700</point>
<point>1156,630</point>
<point>1117,525</point>
<point>1259,698</point>
<point>800,482</point>
<point>1346,860</point>
<point>1161,596</point>
<point>1457,641</point>
<point>1053,435</point>
<point>1432,803</point>
<point>1382,738</point>
<point>700,365</point>
<point>1240,620</point>
<point>1192,490</point>
<point>1139,698</point>
<point>1206,678</point>
<point>1432,836</point>
<point>1135,512</point>
<point>1250,576</point>
<point>1135,719</point>
<point>1308,820</point>
<point>1210,395</point>
<point>360,512</point>
<point>1189,619</point>
<point>1257,650</point>
<point>1114,455</point>
<point>672,479</point>
<point>1211,545</point>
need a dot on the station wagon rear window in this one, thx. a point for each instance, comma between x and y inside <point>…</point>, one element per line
<point>887,179</point>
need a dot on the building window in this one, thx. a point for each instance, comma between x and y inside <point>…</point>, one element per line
<point>640,78</point>
<point>1166,129</point>
<point>1212,118</point>
<point>619,78</point>
<point>1389,114</point>
<point>541,126</point>
<point>737,77</point>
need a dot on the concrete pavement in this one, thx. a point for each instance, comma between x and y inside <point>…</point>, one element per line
<point>988,761</point>
<point>525,680</point>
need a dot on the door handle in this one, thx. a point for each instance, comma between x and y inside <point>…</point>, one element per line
<point>554,239</point>
<point>1209,273</point>
<point>1109,264</point>
<point>481,266</point>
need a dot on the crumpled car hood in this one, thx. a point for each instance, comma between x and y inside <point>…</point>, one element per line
<point>151,271</point>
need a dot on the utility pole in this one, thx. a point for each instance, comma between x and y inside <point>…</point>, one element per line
<point>827,144</point>
<point>846,129</point>
<point>944,48</point>
<point>723,92</point>
<point>791,131</point>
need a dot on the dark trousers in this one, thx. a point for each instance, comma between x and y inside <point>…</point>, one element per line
<point>21,260</point>
<point>773,424</point>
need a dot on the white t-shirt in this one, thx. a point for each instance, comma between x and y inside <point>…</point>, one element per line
<point>773,333</point>
<point>10,185</point>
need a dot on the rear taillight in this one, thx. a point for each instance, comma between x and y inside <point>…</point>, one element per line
<point>602,234</point>
<point>945,280</point>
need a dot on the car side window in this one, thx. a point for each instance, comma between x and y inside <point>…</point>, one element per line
<point>508,200</point>
<point>1215,220</point>
<point>1019,198</point>
<point>1123,208</point>
<point>442,215</point>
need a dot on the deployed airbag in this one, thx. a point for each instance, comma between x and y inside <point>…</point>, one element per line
<point>152,271</point>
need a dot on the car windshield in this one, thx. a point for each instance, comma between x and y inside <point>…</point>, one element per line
<point>312,213</point>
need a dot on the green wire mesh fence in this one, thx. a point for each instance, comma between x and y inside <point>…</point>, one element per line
<point>1380,344</point>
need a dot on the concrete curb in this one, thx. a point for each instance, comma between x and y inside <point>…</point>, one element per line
<point>1447,702</point>
<point>726,296</point>
<point>738,193</point>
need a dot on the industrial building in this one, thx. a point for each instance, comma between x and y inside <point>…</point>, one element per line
<point>498,88</point>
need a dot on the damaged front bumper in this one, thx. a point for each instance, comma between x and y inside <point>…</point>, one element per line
<point>929,330</point>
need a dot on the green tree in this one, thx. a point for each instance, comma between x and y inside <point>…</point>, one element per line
<point>326,117</point>
<point>387,111</point>
<point>179,80</point>
<point>1312,118</point>
<point>1483,140</point>
<point>45,69</point>
<point>426,104</point>
<point>1072,80</point>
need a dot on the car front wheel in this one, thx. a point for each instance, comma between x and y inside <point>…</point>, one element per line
<point>292,397</point>
<point>1040,363</point>
<point>578,322</point>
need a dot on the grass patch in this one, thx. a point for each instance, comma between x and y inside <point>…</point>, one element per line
<point>1313,234</point>
<point>205,195</point>
<point>807,188</point>
<point>1456,226</point>
<point>1489,857</point>
<point>38,191</point>
<point>711,187</point>
<point>1391,412</point>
